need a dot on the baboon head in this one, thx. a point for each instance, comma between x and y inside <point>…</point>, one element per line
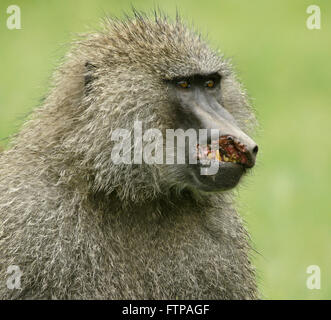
<point>164,75</point>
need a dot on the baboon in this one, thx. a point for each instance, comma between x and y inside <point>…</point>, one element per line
<point>79,226</point>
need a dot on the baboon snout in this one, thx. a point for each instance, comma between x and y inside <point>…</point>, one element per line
<point>233,149</point>
<point>244,149</point>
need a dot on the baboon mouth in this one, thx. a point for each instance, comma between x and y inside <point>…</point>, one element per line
<point>226,149</point>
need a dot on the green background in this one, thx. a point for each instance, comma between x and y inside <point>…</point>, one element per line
<point>287,71</point>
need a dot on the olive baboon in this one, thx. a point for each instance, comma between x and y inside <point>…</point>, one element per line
<point>79,226</point>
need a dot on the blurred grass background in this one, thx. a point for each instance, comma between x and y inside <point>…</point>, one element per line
<point>286,69</point>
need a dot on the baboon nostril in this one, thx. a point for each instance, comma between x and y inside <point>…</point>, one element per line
<point>256,149</point>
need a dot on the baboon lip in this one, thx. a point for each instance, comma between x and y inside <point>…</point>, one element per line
<point>226,149</point>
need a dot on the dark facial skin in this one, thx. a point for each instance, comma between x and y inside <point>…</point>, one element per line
<point>197,102</point>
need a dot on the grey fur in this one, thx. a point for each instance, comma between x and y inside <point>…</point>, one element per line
<point>80,227</point>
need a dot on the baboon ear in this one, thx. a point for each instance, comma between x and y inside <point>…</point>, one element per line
<point>89,76</point>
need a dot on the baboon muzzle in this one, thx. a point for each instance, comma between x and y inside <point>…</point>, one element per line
<point>234,145</point>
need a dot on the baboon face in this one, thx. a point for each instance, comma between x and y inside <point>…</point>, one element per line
<point>198,103</point>
<point>167,77</point>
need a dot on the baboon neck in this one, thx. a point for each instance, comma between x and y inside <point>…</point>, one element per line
<point>163,206</point>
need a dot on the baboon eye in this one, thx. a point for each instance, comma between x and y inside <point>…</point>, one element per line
<point>210,84</point>
<point>184,84</point>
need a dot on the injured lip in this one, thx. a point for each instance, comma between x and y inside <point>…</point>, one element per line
<point>226,149</point>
